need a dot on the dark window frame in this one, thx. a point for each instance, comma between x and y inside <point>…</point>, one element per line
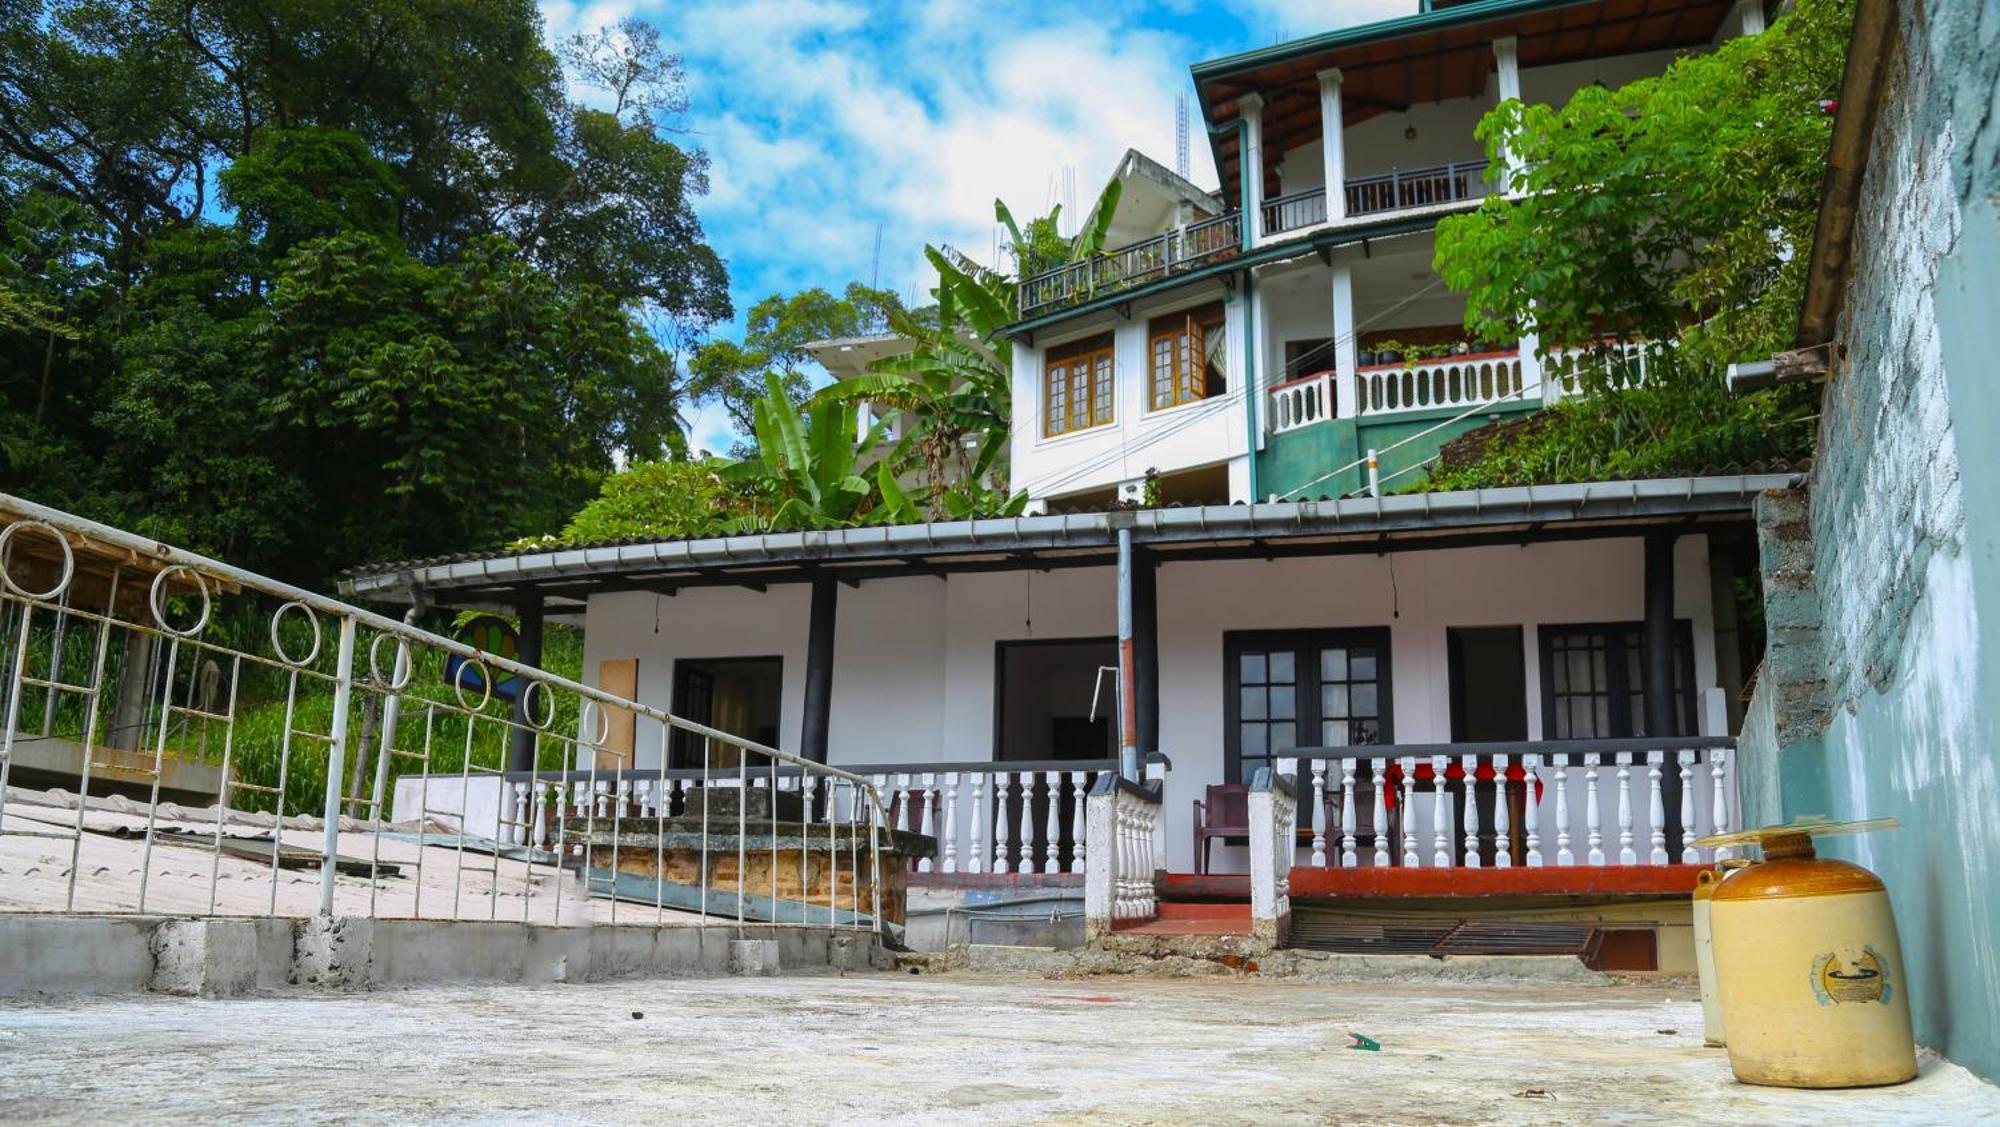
<point>1307,643</point>
<point>1621,684</point>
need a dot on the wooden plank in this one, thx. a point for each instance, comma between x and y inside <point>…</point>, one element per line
<point>619,676</point>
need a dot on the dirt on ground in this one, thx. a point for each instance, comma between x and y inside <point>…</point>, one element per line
<point>955,1048</point>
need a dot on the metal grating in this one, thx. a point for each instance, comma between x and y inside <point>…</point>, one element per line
<point>1501,937</point>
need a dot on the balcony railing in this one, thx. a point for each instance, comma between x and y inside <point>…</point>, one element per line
<point>1301,402</point>
<point>1294,211</point>
<point>1554,803</point>
<point>1420,187</point>
<point>1183,248</point>
<point>1450,381</point>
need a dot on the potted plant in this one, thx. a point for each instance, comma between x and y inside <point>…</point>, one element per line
<point>1364,357</point>
<point>1389,352</point>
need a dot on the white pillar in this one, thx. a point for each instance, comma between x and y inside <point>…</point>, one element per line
<point>1333,144</point>
<point>1531,365</point>
<point>1251,108</point>
<point>1506,56</point>
<point>1344,350</point>
<point>1750,17</point>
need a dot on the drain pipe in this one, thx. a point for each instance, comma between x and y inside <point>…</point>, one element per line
<point>1128,673</point>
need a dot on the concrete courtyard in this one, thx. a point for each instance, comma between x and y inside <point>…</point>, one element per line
<point>884,1047</point>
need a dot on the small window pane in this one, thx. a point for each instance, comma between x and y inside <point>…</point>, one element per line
<point>1253,703</point>
<point>1333,665</point>
<point>1361,664</point>
<point>1281,667</point>
<point>1364,700</point>
<point>1333,733</point>
<point>1284,706</point>
<point>1580,679</point>
<point>1284,737</point>
<point>1253,669</point>
<point>1253,739</point>
<point>1603,714</point>
<point>1365,731</point>
<point>1333,702</point>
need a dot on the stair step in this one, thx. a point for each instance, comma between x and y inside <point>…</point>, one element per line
<point>1173,910</point>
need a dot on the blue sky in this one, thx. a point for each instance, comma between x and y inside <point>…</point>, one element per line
<point>823,118</point>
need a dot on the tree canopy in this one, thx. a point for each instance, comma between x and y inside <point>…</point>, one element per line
<point>306,283</point>
<point>1676,211</point>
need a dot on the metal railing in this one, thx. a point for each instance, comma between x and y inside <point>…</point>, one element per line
<point>1291,212</point>
<point>314,714</point>
<point>1183,248</point>
<point>1556,803</point>
<point>1420,187</point>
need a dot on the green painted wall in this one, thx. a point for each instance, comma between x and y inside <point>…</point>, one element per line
<point>1294,458</point>
<point>1882,694</point>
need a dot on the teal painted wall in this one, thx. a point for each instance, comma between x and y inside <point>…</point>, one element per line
<point>1294,458</point>
<point>1898,711</point>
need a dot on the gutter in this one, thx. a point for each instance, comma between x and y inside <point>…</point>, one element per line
<point>1868,55</point>
<point>1374,516</point>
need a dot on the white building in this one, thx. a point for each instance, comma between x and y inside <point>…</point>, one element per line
<point>1337,642</point>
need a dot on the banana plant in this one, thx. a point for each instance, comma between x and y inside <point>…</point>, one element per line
<point>805,472</point>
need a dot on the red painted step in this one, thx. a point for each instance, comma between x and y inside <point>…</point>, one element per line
<point>1195,919</point>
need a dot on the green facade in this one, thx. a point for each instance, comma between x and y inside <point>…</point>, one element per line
<point>1294,465</point>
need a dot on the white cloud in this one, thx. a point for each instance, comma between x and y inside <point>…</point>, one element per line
<point>825,118</point>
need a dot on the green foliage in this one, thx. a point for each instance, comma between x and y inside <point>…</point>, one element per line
<point>1670,429</point>
<point>1041,246</point>
<point>657,500</point>
<point>806,471</point>
<point>776,333</point>
<point>1676,206</point>
<point>418,316</point>
<point>1677,211</point>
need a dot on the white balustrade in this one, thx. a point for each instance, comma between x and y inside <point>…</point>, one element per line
<point>1686,801</point>
<point>1051,854</point>
<point>1450,381</point>
<point>1469,808</point>
<point>1118,883</point>
<point>1079,787</point>
<point>1301,402</point>
<point>1003,786</point>
<point>951,822</point>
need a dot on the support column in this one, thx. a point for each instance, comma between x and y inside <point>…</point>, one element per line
<point>819,668</point>
<point>1506,57</point>
<point>1333,144</point>
<point>1345,346</point>
<point>1661,717</point>
<point>1146,648</point>
<point>1750,17</point>
<point>1128,673</point>
<point>527,605</point>
<point>1251,109</point>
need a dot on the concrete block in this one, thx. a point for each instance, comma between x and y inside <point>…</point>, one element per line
<point>59,955</point>
<point>206,958</point>
<point>753,957</point>
<point>334,953</point>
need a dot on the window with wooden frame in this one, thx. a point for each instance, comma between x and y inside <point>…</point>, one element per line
<point>1184,356</point>
<point>1077,386</point>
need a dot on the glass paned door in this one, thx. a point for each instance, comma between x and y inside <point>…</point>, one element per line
<point>1303,688</point>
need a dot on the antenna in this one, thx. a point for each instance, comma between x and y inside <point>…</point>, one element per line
<point>1181,154</point>
<point>875,271</point>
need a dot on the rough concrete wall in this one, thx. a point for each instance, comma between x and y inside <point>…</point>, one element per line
<point>1906,594</point>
